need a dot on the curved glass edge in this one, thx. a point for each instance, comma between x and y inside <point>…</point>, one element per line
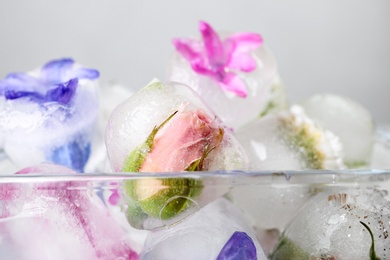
<point>235,177</point>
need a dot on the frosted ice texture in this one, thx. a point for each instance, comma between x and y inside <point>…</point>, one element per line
<point>290,140</point>
<point>200,236</point>
<point>269,207</point>
<point>58,221</point>
<point>347,119</point>
<point>329,225</point>
<point>50,132</point>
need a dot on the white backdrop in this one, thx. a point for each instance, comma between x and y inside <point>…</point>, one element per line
<point>321,46</point>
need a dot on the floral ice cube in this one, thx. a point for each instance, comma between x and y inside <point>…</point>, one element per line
<point>347,119</point>
<point>167,128</point>
<point>217,231</point>
<point>339,224</point>
<point>235,74</point>
<point>60,220</point>
<point>290,140</point>
<point>49,115</point>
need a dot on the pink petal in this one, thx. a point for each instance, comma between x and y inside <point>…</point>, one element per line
<point>234,83</point>
<point>238,46</point>
<point>213,45</point>
<point>243,42</point>
<point>242,61</point>
<point>191,50</point>
<point>188,48</point>
<point>182,140</point>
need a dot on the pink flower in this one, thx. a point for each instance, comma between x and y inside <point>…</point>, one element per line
<point>220,59</point>
<point>184,140</point>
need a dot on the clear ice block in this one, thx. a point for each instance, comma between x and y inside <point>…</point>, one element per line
<point>49,115</point>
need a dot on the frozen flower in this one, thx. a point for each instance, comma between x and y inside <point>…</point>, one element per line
<point>219,59</point>
<point>180,143</point>
<point>48,115</point>
<point>55,82</point>
<point>239,246</point>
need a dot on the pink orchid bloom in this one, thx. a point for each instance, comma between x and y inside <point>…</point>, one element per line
<point>219,59</point>
<point>184,139</point>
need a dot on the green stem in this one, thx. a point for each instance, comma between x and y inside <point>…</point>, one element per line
<point>372,248</point>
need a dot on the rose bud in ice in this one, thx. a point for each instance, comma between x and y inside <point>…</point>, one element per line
<point>167,128</point>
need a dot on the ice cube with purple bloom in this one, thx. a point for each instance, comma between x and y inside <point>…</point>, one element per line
<point>48,115</point>
<point>217,231</point>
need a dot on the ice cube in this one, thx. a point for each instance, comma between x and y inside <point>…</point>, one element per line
<point>166,127</point>
<point>62,220</point>
<point>234,73</point>
<point>217,231</point>
<point>49,115</point>
<point>169,115</point>
<point>290,140</point>
<point>347,119</point>
<point>339,224</point>
<point>381,153</point>
<point>270,207</point>
<point>110,96</point>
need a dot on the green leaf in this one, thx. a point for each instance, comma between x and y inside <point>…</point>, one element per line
<point>170,199</point>
<point>137,157</point>
<point>286,249</point>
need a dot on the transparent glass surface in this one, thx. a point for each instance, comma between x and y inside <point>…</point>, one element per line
<point>124,216</point>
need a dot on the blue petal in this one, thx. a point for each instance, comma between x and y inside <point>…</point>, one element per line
<point>19,82</point>
<point>63,93</point>
<point>73,155</point>
<point>34,96</point>
<point>54,71</point>
<point>83,73</point>
<point>239,247</point>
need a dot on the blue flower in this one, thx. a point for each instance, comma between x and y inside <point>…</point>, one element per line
<point>57,81</point>
<point>239,246</point>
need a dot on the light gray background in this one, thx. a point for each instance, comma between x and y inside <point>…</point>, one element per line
<point>321,46</point>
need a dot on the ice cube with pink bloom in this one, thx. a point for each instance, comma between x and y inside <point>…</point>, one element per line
<point>49,115</point>
<point>166,127</point>
<point>60,220</point>
<point>234,73</point>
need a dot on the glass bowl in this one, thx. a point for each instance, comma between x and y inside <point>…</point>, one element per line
<point>195,215</point>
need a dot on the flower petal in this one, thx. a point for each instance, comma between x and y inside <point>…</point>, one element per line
<point>242,61</point>
<point>239,246</point>
<point>73,155</point>
<point>83,73</point>
<point>213,45</point>
<point>243,42</point>
<point>11,95</point>
<point>19,82</point>
<point>190,49</point>
<point>54,71</point>
<point>63,93</point>
<point>232,82</point>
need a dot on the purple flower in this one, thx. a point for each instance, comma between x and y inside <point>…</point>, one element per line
<point>219,59</point>
<point>57,81</point>
<point>239,246</point>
